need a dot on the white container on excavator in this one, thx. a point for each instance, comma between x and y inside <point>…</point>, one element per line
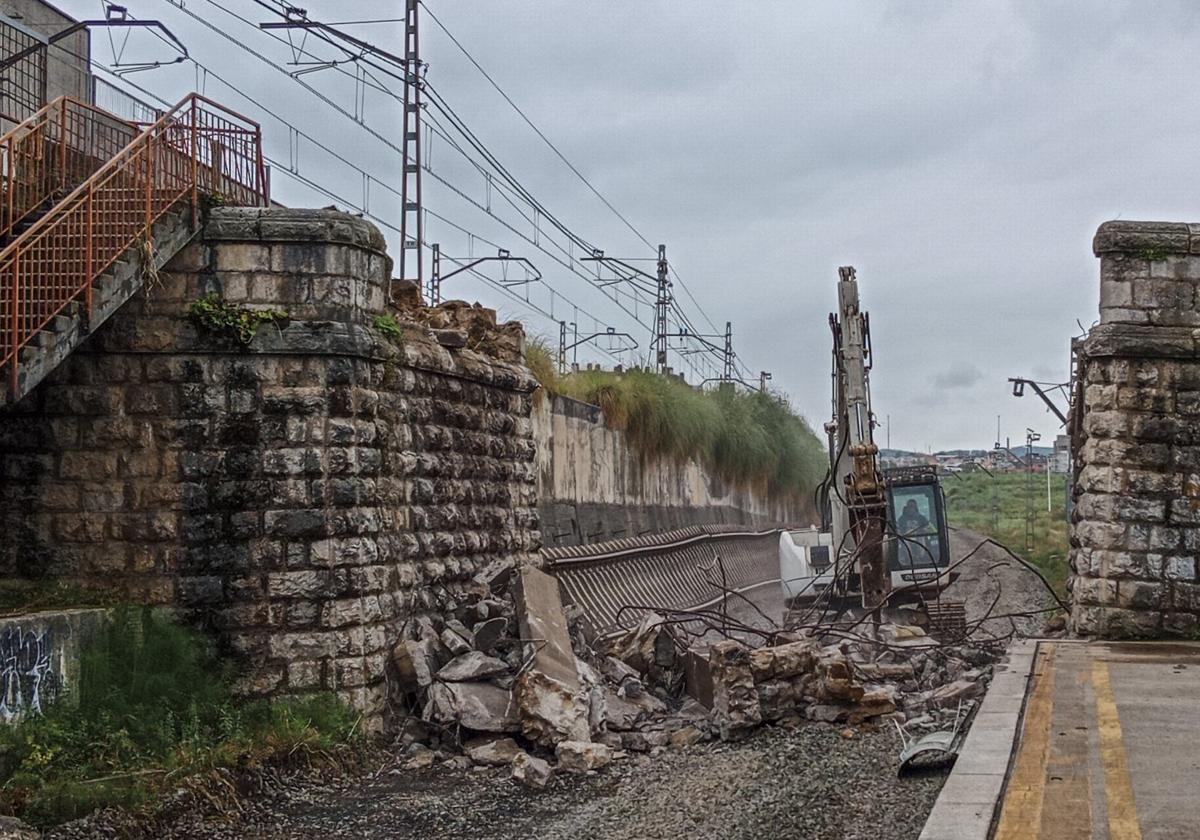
<point>805,564</point>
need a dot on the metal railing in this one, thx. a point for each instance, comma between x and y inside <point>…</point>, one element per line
<point>196,147</point>
<point>52,152</point>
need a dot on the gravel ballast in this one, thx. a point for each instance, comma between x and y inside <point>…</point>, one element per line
<point>807,783</point>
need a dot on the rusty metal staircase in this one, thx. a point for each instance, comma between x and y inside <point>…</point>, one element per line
<point>91,204</point>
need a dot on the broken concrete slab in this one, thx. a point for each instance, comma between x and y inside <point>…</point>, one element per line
<point>471,666</point>
<point>582,756</point>
<point>544,626</point>
<point>951,693</point>
<point>553,703</point>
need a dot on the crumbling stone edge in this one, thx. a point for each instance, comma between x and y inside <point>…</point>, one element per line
<point>969,801</point>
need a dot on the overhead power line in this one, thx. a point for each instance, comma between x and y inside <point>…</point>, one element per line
<point>504,180</point>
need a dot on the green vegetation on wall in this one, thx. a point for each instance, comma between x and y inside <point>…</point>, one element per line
<point>749,439</point>
<point>997,505</point>
<point>155,713</point>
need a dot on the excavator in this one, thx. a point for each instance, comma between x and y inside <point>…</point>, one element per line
<point>883,542</point>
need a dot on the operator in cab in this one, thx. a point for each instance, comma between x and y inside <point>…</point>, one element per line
<point>911,519</point>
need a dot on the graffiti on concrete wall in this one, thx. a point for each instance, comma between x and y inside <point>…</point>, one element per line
<point>29,678</point>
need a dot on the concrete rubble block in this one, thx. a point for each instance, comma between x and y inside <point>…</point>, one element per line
<point>617,672</point>
<point>895,671</point>
<point>900,632</point>
<point>735,700</point>
<point>826,713</point>
<point>777,698</point>
<point>549,712</point>
<point>480,706</point>
<point>454,642</point>
<point>652,648</point>
<point>472,666</point>
<point>544,624</point>
<point>686,736</point>
<point>596,692</point>
<point>494,752</point>
<point>414,663</point>
<point>419,757</point>
<point>619,714</point>
<point>582,756</point>
<point>784,661</point>
<point>697,676</point>
<point>873,704</point>
<point>951,693</point>
<point>489,633</point>
<point>643,741</point>
<point>531,771</point>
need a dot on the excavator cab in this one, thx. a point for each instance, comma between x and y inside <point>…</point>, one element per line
<point>917,542</point>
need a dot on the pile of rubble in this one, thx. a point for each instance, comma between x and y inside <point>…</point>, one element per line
<point>457,324</point>
<point>513,680</point>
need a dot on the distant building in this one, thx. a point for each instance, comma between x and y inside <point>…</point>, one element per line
<point>1060,460</point>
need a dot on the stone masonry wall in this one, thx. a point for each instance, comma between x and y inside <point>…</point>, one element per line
<point>302,496</point>
<point>1136,524</point>
<point>593,487</point>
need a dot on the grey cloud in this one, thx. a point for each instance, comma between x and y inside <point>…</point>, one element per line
<point>959,155</point>
<point>958,377</point>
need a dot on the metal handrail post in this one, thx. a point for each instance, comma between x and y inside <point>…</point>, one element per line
<point>62,144</point>
<point>13,338</point>
<point>90,245</point>
<point>261,172</point>
<point>195,166</point>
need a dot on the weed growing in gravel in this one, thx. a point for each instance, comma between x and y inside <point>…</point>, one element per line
<point>155,712</point>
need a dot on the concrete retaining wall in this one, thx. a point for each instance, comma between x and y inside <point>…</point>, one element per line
<point>593,487</point>
<point>39,659</point>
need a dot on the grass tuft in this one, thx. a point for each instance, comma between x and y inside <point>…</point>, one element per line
<point>541,363</point>
<point>155,710</point>
<point>749,439</point>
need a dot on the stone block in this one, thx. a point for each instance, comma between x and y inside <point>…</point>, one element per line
<point>1140,595</point>
<point>735,699</point>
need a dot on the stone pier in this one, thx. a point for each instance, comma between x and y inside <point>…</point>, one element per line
<point>303,495</point>
<point>1136,426</point>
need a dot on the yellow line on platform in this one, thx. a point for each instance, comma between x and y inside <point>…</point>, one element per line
<point>1118,787</point>
<point>1021,816</point>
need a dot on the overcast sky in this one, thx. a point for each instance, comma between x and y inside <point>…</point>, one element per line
<point>960,155</point>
